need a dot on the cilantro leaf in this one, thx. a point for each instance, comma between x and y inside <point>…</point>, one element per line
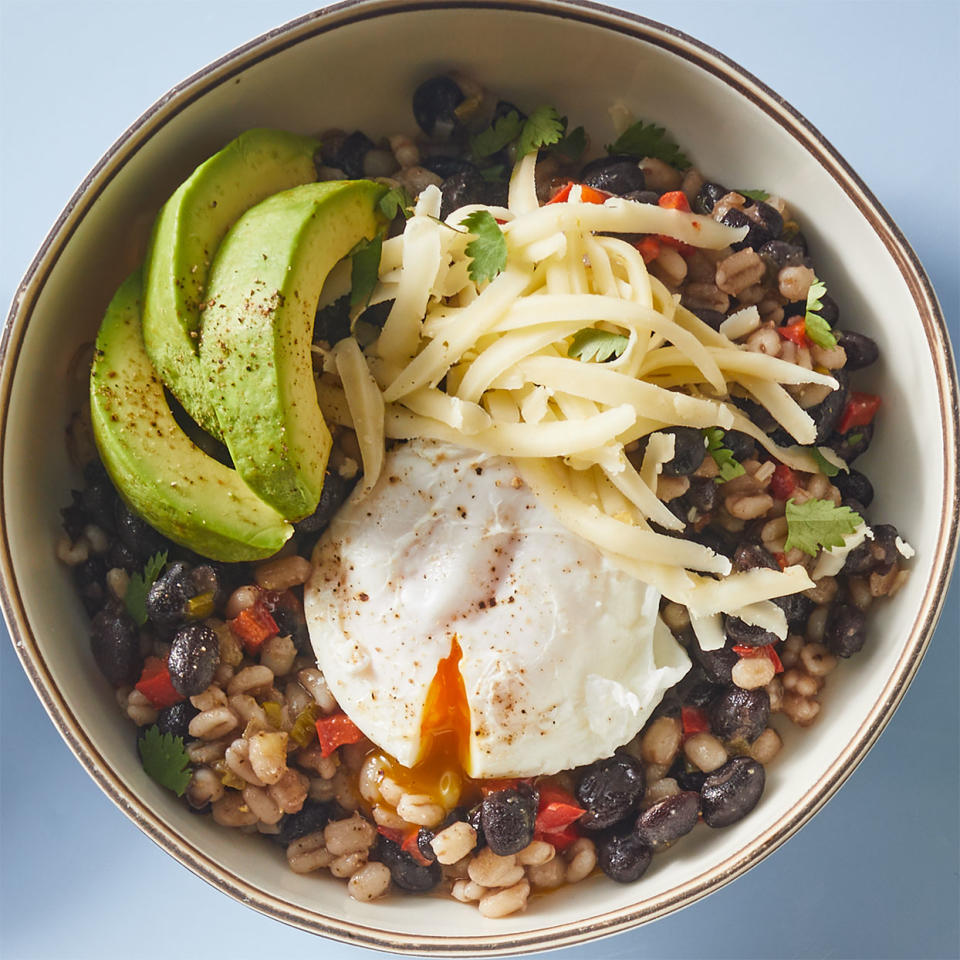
<point>827,468</point>
<point>649,140</point>
<point>599,345</point>
<point>818,523</point>
<point>818,330</point>
<point>396,200</point>
<point>572,144</point>
<point>491,174</point>
<point>497,135</point>
<point>164,759</point>
<point>543,127</point>
<point>758,195</point>
<point>364,270</point>
<point>724,459</point>
<point>135,597</point>
<point>488,251</point>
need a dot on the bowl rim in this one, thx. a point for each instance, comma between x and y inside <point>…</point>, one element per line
<point>789,119</point>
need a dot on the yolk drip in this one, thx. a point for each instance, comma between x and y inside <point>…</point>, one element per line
<point>445,738</point>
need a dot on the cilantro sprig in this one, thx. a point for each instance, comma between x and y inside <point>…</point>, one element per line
<point>499,134</point>
<point>818,523</point>
<point>648,140</point>
<point>759,195</point>
<point>543,127</point>
<point>488,249</point>
<point>729,466</point>
<point>164,759</point>
<point>599,345</point>
<point>364,270</point>
<point>396,200</point>
<point>135,597</point>
<point>818,330</point>
<point>572,144</point>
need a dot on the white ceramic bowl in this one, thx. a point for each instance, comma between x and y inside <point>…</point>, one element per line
<point>523,49</point>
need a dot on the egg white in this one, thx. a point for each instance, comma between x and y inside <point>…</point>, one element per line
<point>563,656</point>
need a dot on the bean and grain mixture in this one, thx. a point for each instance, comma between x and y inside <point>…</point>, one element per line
<point>214,664</point>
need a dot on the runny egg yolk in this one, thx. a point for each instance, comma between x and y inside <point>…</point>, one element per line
<point>439,772</point>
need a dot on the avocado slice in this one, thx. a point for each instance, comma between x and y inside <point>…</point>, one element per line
<point>185,238</point>
<point>256,332</point>
<point>158,470</point>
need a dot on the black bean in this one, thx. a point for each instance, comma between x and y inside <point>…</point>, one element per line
<point>470,187</point>
<point>741,445</point>
<point>98,497</point>
<point>445,167</point>
<point>475,819</point>
<point>610,791</point>
<point>860,349</point>
<point>312,816</point>
<point>669,819</point>
<point>434,106</point>
<point>405,872</point>
<point>740,714</point>
<point>74,518</point>
<point>348,153</point>
<point>121,556</point>
<point>716,664</point>
<point>136,534</point>
<point>115,643</point>
<point>507,817</point>
<point>826,414</point>
<point>845,630</point>
<point>624,856</point>
<point>689,450</point>
<point>194,658</point>
<point>793,234</point>
<point>167,597</point>
<point>643,196</point>
<point>884,544</point>
<point>797,609</point>
<point>715,539</point>
<point>292,623</point>
<point>176,719</point>
<point>739,632</point>
<point>424,839</point>
<point>617,174</point>
<point>697,689</point>
<point>779,254</point>
<point>706,199</point>
<point>852,444</point>
<point>859,561</point>
<point>89,578</point>
<point>703,495</point>
<point>504,108</point>
<point>829,309</point>
<point>712,318</point>
<point>335,490</point>
<point>854,485</point>
<point>768,218</point>
<point>730,793</point>
<point>332,322</point>
<point>752,556</point>
<point>757,233</point>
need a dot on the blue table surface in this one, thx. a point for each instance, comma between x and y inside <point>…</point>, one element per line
<point>875,874</point>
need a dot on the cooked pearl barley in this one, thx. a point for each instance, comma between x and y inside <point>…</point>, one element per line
<point>419,809</point>
<point>817,660</point>
<point>212,697</point>
<point>536,853</point>
<point>140,710</point>
<point>204,787</point>
<point>238,760</point>
<point>491,870</point>
<point>370,882</point>
<point>247,709</point>
<point>385,816</point>
<point>466,891</point>
<point>390,791</point>
<point>705,751</point>
<point>368,782</point>
<point>117,582</point>
<point>268,755</point>
<point>665,787</point>
<point>801,710</point>
<point>547,875</point>
<point>201,751</point>
<point>766,746</point>
<point>751,673</point>
<point>213,724</point>
<point>313,680</point>
<point>581,859</point>
<point>278,654</point>
<point>259,801</point>
<point>661,741</point>
<point>454,843</point>
<point>794,282</point>
<point>309,853</point>
<point>290,791</point>
<point>241,599</point>
<point>232,811</point>
<point>283,573</point>
<point>349,836</point>
<point>799,682</point>
<point>349,864</point>
<point>504,902</point>
<point>251,679</point>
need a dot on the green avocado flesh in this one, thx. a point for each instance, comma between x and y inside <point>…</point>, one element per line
<point>257,328</point>
<point>185,238</point>
<point>159,471</point>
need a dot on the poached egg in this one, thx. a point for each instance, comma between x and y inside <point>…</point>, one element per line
<point>449,600</point>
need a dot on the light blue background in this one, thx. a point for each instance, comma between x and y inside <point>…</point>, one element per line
<point>873,875</point>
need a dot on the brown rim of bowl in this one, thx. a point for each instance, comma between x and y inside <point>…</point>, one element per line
<point>621,919</point>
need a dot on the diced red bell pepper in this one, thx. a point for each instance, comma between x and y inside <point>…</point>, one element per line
<point>560,839</point>
<point>587,194</point>
<point>558,816</point>
<point>335,731</point>
<point>796,332</point>
<point>860,410</point>
<point>767,651</point>
<point>411,845</point>
<point>781,559</point>
<point>674,200</point>
<point>252,626</point>
<point>155,684</point>
<point>684,249</point>
<point>649,248</point>
<point>783,482</point>
<point>694,720</point>
<point>391,833</point>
